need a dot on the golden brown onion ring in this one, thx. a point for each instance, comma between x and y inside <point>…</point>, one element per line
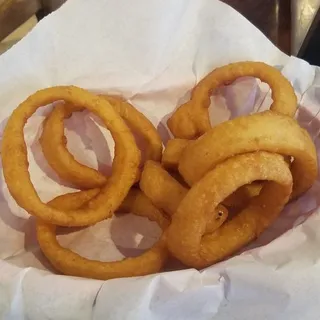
<point>15,161</point>
<point>53,143</point>
<point>172,153</point>
<point>185,236</point>
<point>73,264</point>
<point>171,158</point>
<point>166,193</point>
<point>241,197</point>
<point>161,188</point>
<point>267,131</point>
<point>191,119</point>
<point>54,147</point>
<point>141,125</point>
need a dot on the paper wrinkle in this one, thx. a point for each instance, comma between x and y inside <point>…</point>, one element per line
<point>153,54</point>
<point>60,302</point>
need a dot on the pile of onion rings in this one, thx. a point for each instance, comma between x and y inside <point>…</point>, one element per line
<point>255,164</point>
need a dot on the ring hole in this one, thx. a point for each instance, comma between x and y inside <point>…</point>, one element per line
<point>122,236</point>
<point>238,98</point>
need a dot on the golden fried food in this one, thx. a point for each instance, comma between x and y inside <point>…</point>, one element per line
<point>53,142</point>
<point>185,236</point>
<point>170,161</point>
<point>173,152</point>
<point>161,188</point>
<point>54,147</point>
<point>255,163</point>
<point>267,131</point>
<point>15,160</point>
<point>73,264</point>
<point>191,119</point>
<point>141,125</point>
<point>242,196</point>
<point>166,193</point>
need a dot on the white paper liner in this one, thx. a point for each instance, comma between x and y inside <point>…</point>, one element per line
<point>152,53</point>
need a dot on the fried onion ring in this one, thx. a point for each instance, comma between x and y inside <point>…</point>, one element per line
<point>15,162</point>
<point>141,125</point>
<point>166,193</point>
<point>161,188</point>
<point>53,143</point>
<point>191,119</point>
<point>70,263</point>
<point>242,196</point>
<point>170,160</point>
<point>172,153</point>
<point>185,236</point>
<point>265,131</point>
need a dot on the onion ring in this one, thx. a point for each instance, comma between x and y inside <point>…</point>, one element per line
<point>166,193</point>
<point>140,124</point>
<point>53,143</point>
<point>70,263</point>
<point>191,119</point>
<point>54,147</point>
<point>185,236</point>
<point>15,161</point>
<point>172,153</point>
<point>242,196</point>
<point>265,131</point>
<point>161,188</point>
<point>170,160</point>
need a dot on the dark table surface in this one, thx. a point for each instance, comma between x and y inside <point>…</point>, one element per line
<point>287,23</point>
